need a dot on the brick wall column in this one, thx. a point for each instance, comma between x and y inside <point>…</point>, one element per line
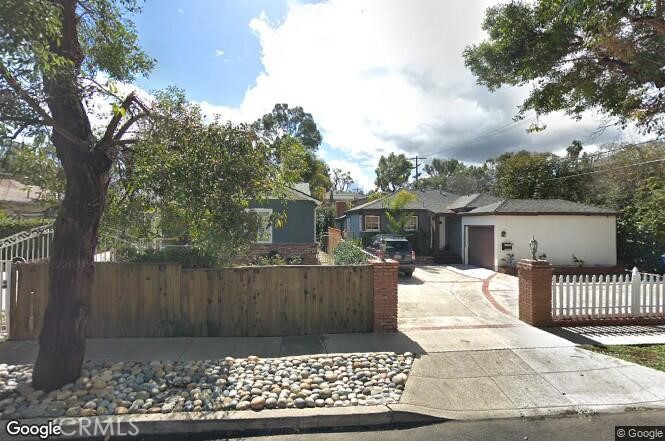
<point>535,292</point>
<point>385,295</point>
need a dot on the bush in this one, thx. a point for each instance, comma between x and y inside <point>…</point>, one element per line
<point>349,253</point>
<point>10,226</point>
<point>188,257</point>
<point>276,259</point>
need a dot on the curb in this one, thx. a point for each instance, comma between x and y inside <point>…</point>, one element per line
<point>160,426</point>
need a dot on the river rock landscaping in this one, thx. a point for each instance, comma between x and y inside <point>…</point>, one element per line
<point>252,383</point>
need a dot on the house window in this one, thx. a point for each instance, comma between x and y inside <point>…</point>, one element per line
<point>411,223</point>
<point>264,232</point>
<point>371,223</point>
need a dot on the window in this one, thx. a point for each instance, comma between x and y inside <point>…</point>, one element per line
<point>371,223</point>
<point>411,223</point>
<point>264,233</point>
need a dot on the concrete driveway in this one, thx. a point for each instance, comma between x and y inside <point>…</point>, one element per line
<point>480,361</point>
<point>466,308</point>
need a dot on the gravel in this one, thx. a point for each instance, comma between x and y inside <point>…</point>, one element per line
<point>251,383</point>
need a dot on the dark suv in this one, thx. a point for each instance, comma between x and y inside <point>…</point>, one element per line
<point>394,247</point>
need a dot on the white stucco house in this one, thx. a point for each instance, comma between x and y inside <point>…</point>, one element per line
<point>487,231</point>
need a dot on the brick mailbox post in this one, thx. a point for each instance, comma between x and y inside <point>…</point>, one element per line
<point>535,292</point>
<point>385,295</point>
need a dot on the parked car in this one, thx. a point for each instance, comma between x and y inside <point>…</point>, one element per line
<point>394,247</point>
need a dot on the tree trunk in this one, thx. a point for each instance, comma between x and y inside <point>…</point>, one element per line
<point>71,272</point>
<point>87,169</point>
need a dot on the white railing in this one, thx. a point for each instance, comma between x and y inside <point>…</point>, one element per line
<point>29,245</point>
<point>5,297</point>
<point>608,297</point>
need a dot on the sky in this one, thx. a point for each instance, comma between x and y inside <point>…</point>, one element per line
<point>378,76</point>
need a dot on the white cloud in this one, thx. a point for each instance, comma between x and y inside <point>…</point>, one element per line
<point>219,53</point>
<point>181,11</point>
<point>360,177</point>
<point>380,79</point>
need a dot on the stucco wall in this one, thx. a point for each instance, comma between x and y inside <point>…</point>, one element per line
<point>590,238</point>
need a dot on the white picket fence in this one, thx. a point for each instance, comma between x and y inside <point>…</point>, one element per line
<point>608,296</point>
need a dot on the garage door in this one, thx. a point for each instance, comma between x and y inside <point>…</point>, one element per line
<point>481,247</point>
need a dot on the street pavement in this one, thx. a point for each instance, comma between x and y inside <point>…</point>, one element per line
<point>567,428</point>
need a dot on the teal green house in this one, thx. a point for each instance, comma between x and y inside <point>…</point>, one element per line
<point>297,235</point>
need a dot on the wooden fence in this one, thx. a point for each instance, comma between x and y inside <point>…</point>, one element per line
<point>608,296</point>
<point>163,300</point>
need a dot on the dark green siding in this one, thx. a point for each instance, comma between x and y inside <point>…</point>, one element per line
<point>299,226</point>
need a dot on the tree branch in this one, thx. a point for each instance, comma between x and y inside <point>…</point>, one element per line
<point>128,124</point>
<point>34,105</point>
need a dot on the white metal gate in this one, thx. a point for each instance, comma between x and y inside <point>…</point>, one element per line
<point>5,297</point>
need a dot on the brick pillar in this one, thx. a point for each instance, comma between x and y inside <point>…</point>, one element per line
<point>535,292</point>
<point>385,295</point>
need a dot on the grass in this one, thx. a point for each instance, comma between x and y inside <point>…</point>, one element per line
<point>652,356</point>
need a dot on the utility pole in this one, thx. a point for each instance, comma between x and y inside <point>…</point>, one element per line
<point>416,158</point>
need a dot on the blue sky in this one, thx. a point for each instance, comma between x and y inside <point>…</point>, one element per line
<point>186,37</point>
<point>378,76</point>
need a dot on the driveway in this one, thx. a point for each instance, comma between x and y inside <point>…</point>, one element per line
<point>480,361</point>
<point>466,308</point>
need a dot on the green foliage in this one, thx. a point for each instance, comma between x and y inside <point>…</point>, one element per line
<point>341,180</point>
<point>10,226</point>
<point>525,175</point>
<point>196,180</point>
<point>457,177</point>
<point>290,125</point>
<point>31,32</point>
<point>188,257</point>
<point>276,259</point>
<point>325,218</point>
<point>316,174</point>
<point>349,253</point>
<point>578,55</point>
<point>35,164</point>
<point>393,172</point>
<point>395,214</point>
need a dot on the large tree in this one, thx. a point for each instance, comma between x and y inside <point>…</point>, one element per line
<point>341,180</point>
<point>393,172</point>
<point>52,53</point>
<point>577,55</point>
<point>285,124</point>
<point>56,56</point>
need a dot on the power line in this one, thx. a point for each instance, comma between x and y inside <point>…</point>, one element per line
<point>607,169</point>
<point>416,158</point>
<point>480,137</point>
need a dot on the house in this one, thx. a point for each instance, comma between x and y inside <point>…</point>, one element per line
<point>297,235</point>
<point>342,200</point>
<point>21,200</point>
<point>487,231</point>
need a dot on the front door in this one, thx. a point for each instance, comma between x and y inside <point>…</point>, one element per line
<point>481,246</point>
<point>442,232</point>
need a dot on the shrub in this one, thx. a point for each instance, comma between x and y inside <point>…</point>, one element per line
<point>188,257</point>
<point>276,259</point>
<point>349,253</point>
<point>10,226</point>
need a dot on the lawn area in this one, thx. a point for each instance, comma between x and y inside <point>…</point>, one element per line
<point>652,356</point>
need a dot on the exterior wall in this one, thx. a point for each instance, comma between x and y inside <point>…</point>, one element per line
<point>454,234</point>
<point>355,230</point>
<point>299,226</point>
<point>590,238</point>
<point>308,252</point>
